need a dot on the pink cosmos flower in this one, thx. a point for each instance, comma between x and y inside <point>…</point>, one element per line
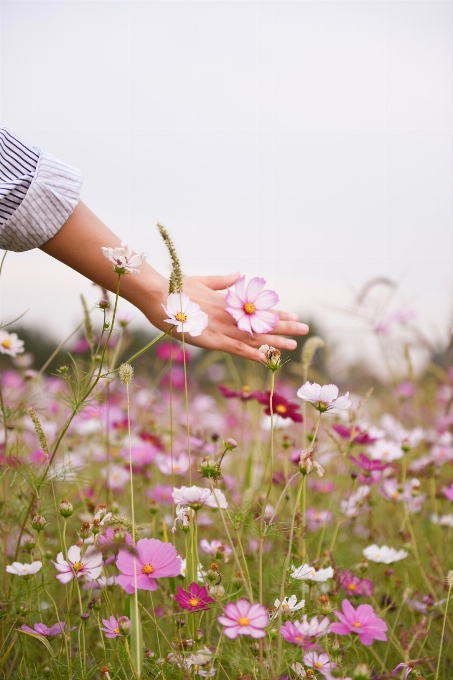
<point>196,599</point>
<point>161,493</point>
<point>116,627</point>
<point>216,548</point>
<point>448,493</point>
<point>353,585</point>
<point>362,621</point>
<point>173,351</point>
<point>244,394</point>
<point>248,306</point>
<point>243,618</point>
<point>355,434</point>
<point>296,635</point>
<point>316,519</point>
<point>45,631</point>
<point>122,259</point>
<point>77,565</point>
<point>155,559</point>
<point>320,662</point>
<point>180,464</point>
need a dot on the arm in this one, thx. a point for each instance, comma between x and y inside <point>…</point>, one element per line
<point>78,244</point>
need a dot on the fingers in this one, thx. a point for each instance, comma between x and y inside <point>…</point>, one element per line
<point>290,328</point>
<point>219,282</point>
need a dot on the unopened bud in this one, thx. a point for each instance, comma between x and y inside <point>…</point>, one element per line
<point>124,624</point>
<point>230,443</point>
<point>273,356</point>
<point>210,469</point>
<point>85,531</point>
<point>85,616</point>
<point>96,527</point>
<point>28,544</point>
<point>38,522</point>
<point>96,603</point>
<point>66,508</point>
<point>23,608</point>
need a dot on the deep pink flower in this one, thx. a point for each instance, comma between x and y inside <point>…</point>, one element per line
<point>355,434</point>
<point>155,559</point>
<point>41,629</point>
<point>448,493</point>
<point>243,618</point>
<point>195,599</point>
<point>248,305</point>
<point>280,406</point>
<point>116,627</point>
<point>362,621</point>
<point>372,468</point>
<point>353,585</point>
<point>173,351</point>
<point>243,394</point>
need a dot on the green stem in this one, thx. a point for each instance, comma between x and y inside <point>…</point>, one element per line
<point>450,583</point>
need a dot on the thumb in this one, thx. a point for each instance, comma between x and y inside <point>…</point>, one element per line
<point>220,282</point>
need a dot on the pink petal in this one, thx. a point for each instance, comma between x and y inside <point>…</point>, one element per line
<point>125,563</point>
<point>237,314</point>
<point>244,324</point>
<point>254,288</point>
<point>126,582</point>
<point>145,582</point>
<point>233,632</point>
<point>65,578</point>
<point>74,554</point>
<point>266,299</point>
<point>240,289</point>
<point>340,628</point>
<point>255,632</point>
<point>233,300</point>
<point>263,322</point>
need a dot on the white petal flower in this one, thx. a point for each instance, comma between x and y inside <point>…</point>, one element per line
<point>384,554</point>
<point>194,496</point>
<point>122,259</point>
<point>323,398</point>
<point>19,569</point>
<point>217,500</point>
<point>385,450</point>
<point>289,604</point>
<point>307,573</point>
<point>10,344</point>
<point>442,520</point>
<point>185,314</point>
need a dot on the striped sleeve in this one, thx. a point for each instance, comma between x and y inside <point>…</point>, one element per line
<point>37,193</point>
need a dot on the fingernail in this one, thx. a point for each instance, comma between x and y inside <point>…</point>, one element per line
<point>293,317</point>
<point>291,344</point>
<point>303,327</point>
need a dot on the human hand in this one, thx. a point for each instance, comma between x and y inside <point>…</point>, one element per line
<point>222,332</point>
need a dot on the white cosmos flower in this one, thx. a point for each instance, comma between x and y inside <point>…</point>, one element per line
<point>323,398</point>
<point>200,573</point>
<point>185,314</point>
<point>194,496</point>
<point>217,500</point>
<point>384,554</point>
<point>289,604</point>
<point>19,569</point>
<point>122,259</point>
<point>10,344</point>
<point>442,520</point>
<point>307,573</point>
<point>386,451</point>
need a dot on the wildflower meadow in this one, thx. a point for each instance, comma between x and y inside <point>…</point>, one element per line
<point>168,514</point>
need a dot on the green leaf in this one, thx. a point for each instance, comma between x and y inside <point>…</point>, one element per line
<point>136,636</point>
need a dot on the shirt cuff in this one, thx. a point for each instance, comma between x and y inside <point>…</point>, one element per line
<point>53,194</point>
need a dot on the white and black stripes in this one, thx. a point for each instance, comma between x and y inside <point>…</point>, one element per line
<point>37,193</point>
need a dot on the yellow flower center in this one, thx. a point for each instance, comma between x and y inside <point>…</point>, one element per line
<point>357,624</point>
<point>116,630</point>
<point>6,343</point>
<point>246,388</point>
<point>249,308</point>
<point>395,496</point>
<point>194,602</point>
<point>352,586</point>
<point>281,409</point>
<point>243,621</point>
<point>180,316</point>
<point>147,569</point>
<point>77,566</point>
<point>317,664</point>
<point>285,606</point>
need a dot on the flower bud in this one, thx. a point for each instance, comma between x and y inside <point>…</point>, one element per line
<point>230,443</point>
<point>361,672</point>
<point>199,635</point>
<point>124,624</point>
<point>153,507</point>
<point>63,369</point>
<point>273,357</point>
<point>100,511</point>
<point>96,527</point>
<point>84,617</point>
<point>149,654</point>
<point>85,531</point>
<point>210,469</point>
<point>96,603</point>
<point>66,508</point>
<point>38,522</point>
<point>104,673</point>
<point>217,592</point>
<point>119,535</point>
<point>23,608</point>
<point>28,544</point>
<point>238,580</point>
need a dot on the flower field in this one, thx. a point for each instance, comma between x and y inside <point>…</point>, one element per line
<point>207,517</point>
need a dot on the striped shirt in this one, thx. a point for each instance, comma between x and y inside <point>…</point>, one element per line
<point>37,193</point>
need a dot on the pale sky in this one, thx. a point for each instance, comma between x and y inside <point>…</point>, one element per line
<point>306,142</point>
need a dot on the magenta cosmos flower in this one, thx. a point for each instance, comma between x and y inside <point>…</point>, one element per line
<point>154,560</point>
<point>77,565</point>
<point>45,631</point>
<point>362,621</point>
<point>195,599</point>
<point>243,618</point>
<point>248,306</point>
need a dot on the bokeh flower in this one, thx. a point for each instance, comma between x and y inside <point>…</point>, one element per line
<point>10,344</point>
<point>248,306</point>
<point>384,554</point>
<point>19,569</point>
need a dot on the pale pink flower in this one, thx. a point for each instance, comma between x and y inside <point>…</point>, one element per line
<point>77,565</point>
<point>320,662</point>
<point>155,559</point>
<point>216,548</point>
<point>243,618</point>
<point>185,314</point>
<point>323,398</point>
<point>248,306</point>
<point>362,621</point>
<point>19,569</point>
<point>179,467</point>
<point>122,259</point>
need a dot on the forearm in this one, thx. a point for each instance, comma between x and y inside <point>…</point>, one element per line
<point>78,244</point>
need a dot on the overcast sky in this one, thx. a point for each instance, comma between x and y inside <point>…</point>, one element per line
<point>306,142</point>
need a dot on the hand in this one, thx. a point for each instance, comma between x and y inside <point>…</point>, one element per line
<point>222,332</point>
